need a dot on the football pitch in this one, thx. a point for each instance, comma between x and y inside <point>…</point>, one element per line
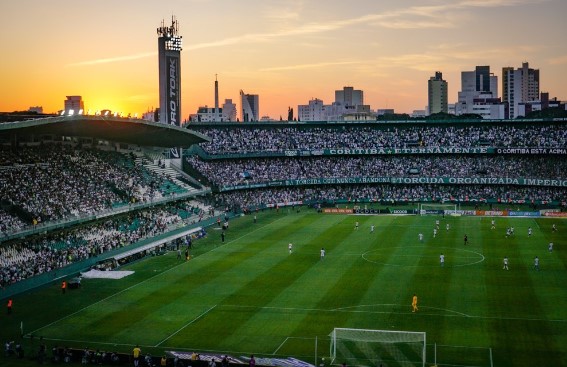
<point>250,295</point>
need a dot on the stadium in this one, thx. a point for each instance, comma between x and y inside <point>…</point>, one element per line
<point>296,244</point>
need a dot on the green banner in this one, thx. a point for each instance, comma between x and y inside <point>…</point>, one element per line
<point>385,151</point>
<point>411,150</point>
<point>405,181</point>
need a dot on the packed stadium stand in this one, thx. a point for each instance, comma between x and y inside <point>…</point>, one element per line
<point>493,162</point>
<point>73,191</point>
<point>277,138</point>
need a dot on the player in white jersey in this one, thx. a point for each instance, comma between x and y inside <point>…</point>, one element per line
<point>529,231</point>
<point>290,247</point>
<point>356,226</point>
<point>492,224</point>
<point>550,247</point>
<point>554,228</point>
<point>447,226</point>
<point>322,253</point>
<point>505,261</point>
<point>536,263</point>
<point>421,237</point>
<point>434,232</point>
<point>437,223</point>
<point>372,228</point>
<point>442,259</point>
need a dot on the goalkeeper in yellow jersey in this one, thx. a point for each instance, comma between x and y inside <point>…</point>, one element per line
<point>414,303</point>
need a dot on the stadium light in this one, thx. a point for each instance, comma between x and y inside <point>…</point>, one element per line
<point>71,112</point>
<point>80,112</point>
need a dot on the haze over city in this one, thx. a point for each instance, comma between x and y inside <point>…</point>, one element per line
<point>286,51</point>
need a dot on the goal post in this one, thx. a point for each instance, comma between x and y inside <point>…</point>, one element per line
<point>372,347</point>
<point>438,208</point>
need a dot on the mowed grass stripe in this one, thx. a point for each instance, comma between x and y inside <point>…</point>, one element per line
<point>269,274</point>
<point>528,332</point>
<point>448,277</point>
<point>156,305</point>
<point>304,290</point>
<point>352,285</point>
<point>506,292</point>
<point>463,290</point>
<point>341,277</point>
<point>212,272</point>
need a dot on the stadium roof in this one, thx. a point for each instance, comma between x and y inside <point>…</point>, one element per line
<point>123,130</point>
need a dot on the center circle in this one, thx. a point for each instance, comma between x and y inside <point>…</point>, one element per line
<point>421,256</point>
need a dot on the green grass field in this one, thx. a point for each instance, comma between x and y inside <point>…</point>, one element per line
<point>250,296</point>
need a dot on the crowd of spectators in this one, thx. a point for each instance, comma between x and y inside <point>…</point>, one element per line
<point>9,222</point>
<point>278,139</point>
<point>54,181</point>
<point>36,255</point>
<point>239,171</point>
<point>390,193</point>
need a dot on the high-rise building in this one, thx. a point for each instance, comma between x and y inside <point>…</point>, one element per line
<point>519,86</point>
<point>349,97</point>
<point>437,94</point>
<point>250,107</point>
<point>473,84</point>
<point>74,105</point>
<point>226,113</point>
<point>169,61</point>
<point>314,111</point>
<point>228,110</point>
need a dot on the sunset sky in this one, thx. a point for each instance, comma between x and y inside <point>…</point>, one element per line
<point>287,51</point>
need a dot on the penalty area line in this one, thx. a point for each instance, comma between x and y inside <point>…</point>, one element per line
<point>137,284</point>
<point>184,326</point>
<point>106,298</point>
<point>281,345</point>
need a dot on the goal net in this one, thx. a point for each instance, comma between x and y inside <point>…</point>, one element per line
<point>364,347</point>
<point>437,209</point>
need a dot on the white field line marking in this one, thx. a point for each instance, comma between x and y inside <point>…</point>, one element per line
<point>459,346</point>
<point>393,304</point>
<point>137,284</point>
<point>414,266</point>
<point>104,299</point>
<point>455,313</point>
<point>184,326</point>
<point>281,345</point>
<point>538,226</point>
<point>244,235</point>
<point>428,256</point>
<point>88,342</point>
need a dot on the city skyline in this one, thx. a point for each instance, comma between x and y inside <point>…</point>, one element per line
<point>287,52</point>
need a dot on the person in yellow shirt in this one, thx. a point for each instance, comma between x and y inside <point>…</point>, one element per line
<point>136,353</point>
<point>414,303</point>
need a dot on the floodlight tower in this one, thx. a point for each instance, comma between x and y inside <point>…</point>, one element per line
<point>169,54</point>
